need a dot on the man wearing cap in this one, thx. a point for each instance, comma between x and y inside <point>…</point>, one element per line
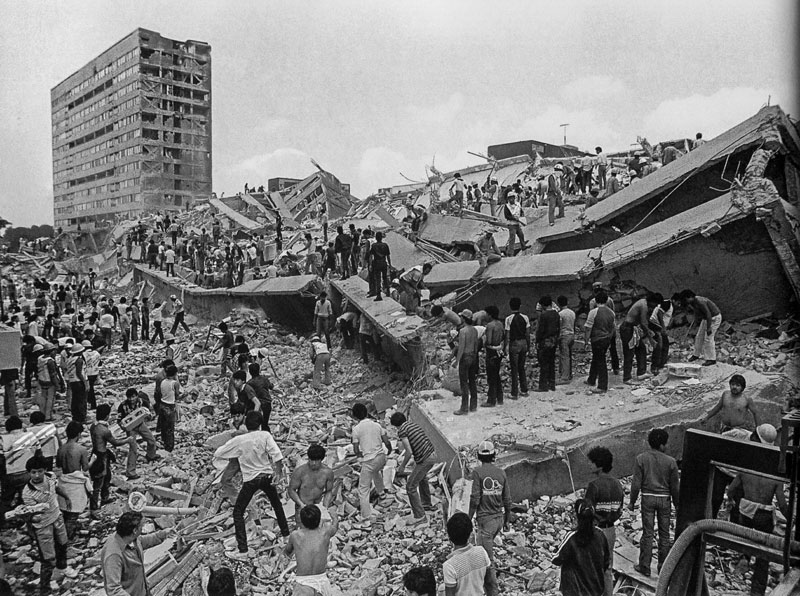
<point>490,501</point>
<point>49,379</point>
<point>179,314</point>
<point>555,197</point>
<point>78,382</point>
<point>491,194</point>
<point>753,497</point>
<point>515,219</point>
<point>467,358</point>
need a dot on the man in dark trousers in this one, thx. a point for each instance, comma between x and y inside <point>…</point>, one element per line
<point>380,260</point>
<point>343,245</point>
<point>467,358</point>
<point>655,476</point>
<point>100,470</point>
<point>258,387</point>
<point>493,340</point>
<point>634,332</point>
<point>606,495</point>
<point>547,332</point>
<point>490,500</point>
<point>599,333</point>
<point>517,346</point>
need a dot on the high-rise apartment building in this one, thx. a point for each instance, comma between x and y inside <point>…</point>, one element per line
<point>132,131</point>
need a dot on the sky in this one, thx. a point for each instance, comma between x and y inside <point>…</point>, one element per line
<point>374,90</point>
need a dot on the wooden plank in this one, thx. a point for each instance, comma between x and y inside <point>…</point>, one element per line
<point>163,572</point>
<point>789,585</point>
<point>625,557</point>
<point>163,492</point>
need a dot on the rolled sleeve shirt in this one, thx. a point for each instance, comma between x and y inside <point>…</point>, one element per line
<point>256,452</point>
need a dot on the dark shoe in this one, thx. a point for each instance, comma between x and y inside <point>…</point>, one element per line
<point>541,390</point>
<point>473,409</point>
<point>514,397</point>
<point>643,570</point>
<point>488,404</point>
<point>693,358</point>
<point>461,412</point>
<point>133,476</point>
<point>499,402</point>
<point>709,363</point>
<point>371,294</point>
<point>598,390</point>
<point>154,458</point>
<point>378,299</point>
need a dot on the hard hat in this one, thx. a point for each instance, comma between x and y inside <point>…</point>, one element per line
<point>767,433</point>
<point>486,448</point>
<point>173,297</point>
<point>86,343</point>
<point>77,349</point>
<point>38,348</point>
<point>466,313</point>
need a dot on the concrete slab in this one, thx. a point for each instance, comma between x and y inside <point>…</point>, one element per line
<point>536,431</point>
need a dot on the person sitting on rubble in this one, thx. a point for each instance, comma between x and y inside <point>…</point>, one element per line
<point>584,556</point>
<point>312,483</point>
<point>487,252</point>
<point>591,198</point>
<point>310,543</point>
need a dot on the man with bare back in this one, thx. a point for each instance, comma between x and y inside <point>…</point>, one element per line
<point>310,543</point>
<point>312,482</point>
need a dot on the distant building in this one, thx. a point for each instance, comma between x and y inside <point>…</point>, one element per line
<point>531,148</point>
<point>281,184</point>
<point>132,131</point>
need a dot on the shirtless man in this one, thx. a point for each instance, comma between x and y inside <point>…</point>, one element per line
<point>735,409</point>
<point>754,496</point>
<point>310,544</point>
<point>312,482</point>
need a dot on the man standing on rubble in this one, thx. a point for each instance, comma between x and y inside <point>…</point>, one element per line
<point>369,438</point>
<point>710,319</point>
<point>555,195</point>
<point>133,401</point>
<point>179,314</point>
<point>490,501</point>
<point>514,219</point>
<point>493,340</point>
<point>606,495</point>
<point>517,346</point>
<point>380,261</point>
<point>78,382</point>
<point>258,388</point>
<point>467,359</point>
<point>547,334</point>
<point>656,477</point>
<point>100,470</point>
<point>417,444</point>
<point>261,463</point>
<point>457,192</point>
<point>634,333</point>
<point>600,332</point>
<point>343,245</point>
<point>312,483</point>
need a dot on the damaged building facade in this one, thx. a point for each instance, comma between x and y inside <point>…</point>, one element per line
<point>132,132</point>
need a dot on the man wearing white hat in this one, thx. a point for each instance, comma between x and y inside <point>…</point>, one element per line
<point>490,501</point>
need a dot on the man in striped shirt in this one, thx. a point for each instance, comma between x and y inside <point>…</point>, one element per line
<point>415,442</point>
<point>468,570</point>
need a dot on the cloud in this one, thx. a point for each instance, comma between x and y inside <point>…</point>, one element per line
<point>439,115</point>
<point>271,125</point>
<point>709,114</point>
<point>592,89</point>
<point>284,162</point>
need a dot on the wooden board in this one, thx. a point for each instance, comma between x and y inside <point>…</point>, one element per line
<point>626,555</point>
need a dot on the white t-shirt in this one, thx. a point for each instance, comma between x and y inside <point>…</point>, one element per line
<point>169,255</point>
<point>369,436</point>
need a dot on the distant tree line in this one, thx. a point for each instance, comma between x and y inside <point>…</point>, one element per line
<point>13,235</point>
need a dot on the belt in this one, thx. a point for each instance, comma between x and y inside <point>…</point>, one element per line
<point>605,526</point>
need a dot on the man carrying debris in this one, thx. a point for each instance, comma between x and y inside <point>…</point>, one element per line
<point>517,346</point>
<point>710,319</point>
<point>467,360</point>
<point>417,444</point>
<point>468,570</point>
<point>369,438</point>
<point>134,400</point>
<point>321,359</point>
<point>606,495</point>
<point>261,463</point>
<point>47,523</point>
<point>100,470</point>
<point>490,502</point>
<point>656,477</point>
<point>123,556</point>
<point>412,282</point>
<point>312,483</point>
<point>310,543</point>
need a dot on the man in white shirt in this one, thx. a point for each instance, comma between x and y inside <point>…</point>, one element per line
<point>258,456</point>
<point>602,166</point>
<point>169,260</point>
<point>369,439</point>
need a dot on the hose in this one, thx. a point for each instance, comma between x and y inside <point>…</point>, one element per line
<point>691,533</point>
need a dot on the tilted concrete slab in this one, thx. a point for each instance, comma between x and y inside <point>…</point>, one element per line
<point>235,216</point>
<point>277,286</point>
<point>528,428</point>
